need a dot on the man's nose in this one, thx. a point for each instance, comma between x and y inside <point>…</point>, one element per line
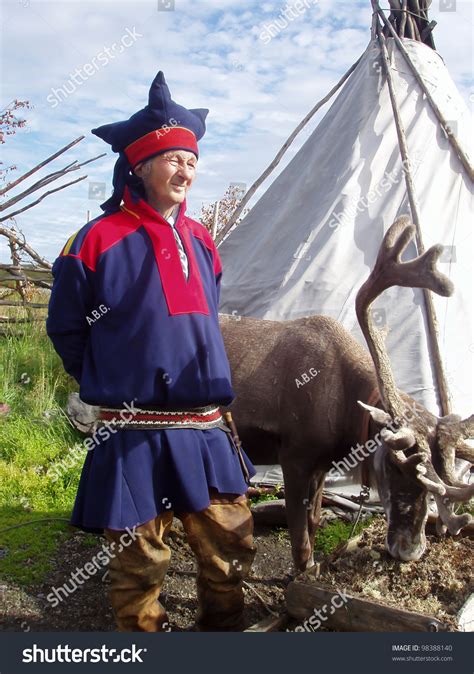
<point>185,172</point>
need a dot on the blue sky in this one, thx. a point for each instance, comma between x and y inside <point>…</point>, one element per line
<point>214,56</point>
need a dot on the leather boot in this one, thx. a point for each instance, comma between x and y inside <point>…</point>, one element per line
<point>137,572</point>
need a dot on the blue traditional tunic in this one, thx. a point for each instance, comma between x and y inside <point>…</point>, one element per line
<point>132,329</point>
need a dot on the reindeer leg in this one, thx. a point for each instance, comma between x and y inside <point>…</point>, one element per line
<point>314,507</point>
<point>297,497</point>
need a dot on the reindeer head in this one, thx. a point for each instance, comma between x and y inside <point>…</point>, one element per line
<point>419,451</point>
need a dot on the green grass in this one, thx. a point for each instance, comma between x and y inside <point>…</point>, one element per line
<point>33,437</point>
<point>281,533</point>
<point>335,533</point>
<point>329,537</point>
<point>27,552</point>
<point>89,540</point>
<point>263,498</point>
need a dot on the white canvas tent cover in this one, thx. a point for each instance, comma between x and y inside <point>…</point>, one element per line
<point>310,241</point>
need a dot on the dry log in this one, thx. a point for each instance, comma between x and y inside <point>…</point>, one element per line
<point>23,277</point>
<point>305,594</point>
<point>31,305</point>
<point>8,320</point>
<point>270,513</point>
<point>465,617</point>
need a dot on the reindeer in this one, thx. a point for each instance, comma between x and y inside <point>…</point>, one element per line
<point>307,427</point>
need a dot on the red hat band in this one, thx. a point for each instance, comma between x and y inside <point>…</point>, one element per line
<point>166,138</point>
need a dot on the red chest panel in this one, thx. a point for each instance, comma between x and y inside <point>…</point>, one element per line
<point>183,296</point>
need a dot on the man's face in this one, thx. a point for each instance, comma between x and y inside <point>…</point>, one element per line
<point>168,176</point>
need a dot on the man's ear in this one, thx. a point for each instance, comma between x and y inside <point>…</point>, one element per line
<point>138,170</point>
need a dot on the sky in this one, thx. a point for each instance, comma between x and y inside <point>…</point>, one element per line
<point>215,54</point>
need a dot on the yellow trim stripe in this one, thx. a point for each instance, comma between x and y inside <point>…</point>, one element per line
<point>131,212</point>
<point>69,243</point>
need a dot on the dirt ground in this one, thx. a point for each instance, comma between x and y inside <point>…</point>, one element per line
<point>87,609</point>
<point>437,585</point>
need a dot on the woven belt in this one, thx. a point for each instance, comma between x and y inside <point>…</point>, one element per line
<point>198,417</point>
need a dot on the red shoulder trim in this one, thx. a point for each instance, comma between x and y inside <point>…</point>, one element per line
<point>104,234</point>
<point>200,232</point>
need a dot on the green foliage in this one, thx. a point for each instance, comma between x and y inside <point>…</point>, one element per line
<point>26,552</point>
<point>334,533</point>
<point>263,498</point>
<point>281,533</point>
<point>465,507</point>
<point>34,437</point>
<point>89,540</point>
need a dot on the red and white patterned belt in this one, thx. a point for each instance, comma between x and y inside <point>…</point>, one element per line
<point>151,419</point>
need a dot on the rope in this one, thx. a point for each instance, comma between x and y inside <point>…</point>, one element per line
<point>25,524</point>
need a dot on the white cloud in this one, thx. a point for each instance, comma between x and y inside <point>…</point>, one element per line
<point>212,56</point>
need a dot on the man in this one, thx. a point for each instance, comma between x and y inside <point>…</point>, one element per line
<point>134,316</point>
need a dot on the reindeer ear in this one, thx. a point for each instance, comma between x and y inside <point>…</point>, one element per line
<point>380,417</point>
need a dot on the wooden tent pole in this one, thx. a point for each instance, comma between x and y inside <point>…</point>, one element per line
<point>37,201</point>
<point>249,194</point>
<point>26,175</point>
<point>403,18</point>
<point>51,177</point>
<point>433,345</point>
<point>464,159</point>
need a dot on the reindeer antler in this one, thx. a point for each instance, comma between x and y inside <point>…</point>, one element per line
<point>455,436</point>
<point>419,467</point>
<point>421,272</point>
<point>390,271</point>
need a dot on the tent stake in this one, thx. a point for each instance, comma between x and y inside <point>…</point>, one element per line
<point>433,345</point>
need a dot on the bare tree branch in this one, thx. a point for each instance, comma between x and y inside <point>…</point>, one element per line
<point>22,244</point>
<point>51,177</point>
<point>39,166</point>
<point>34,203</point>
